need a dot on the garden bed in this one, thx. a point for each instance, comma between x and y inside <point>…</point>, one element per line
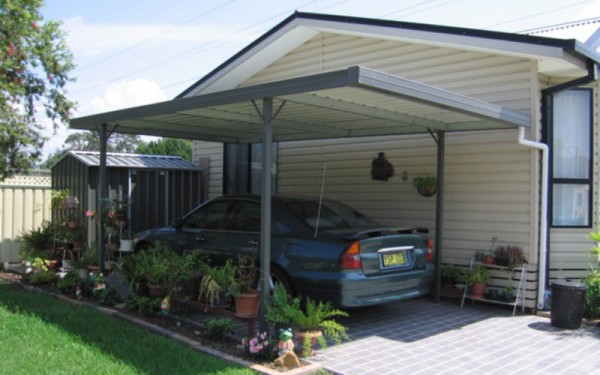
<point>177,326</point>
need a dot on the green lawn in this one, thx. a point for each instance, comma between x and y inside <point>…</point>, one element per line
<point>42,335</point>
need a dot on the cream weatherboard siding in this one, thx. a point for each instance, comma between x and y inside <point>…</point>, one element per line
<point>210,154</point>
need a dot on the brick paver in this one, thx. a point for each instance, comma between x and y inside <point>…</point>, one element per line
<point>421,337</point>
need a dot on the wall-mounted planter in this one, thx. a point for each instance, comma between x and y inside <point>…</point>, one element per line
<point>425,185</point>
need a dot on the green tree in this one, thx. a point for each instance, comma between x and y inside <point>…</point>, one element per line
<point>167,146</point>
<point>34,69</point>
<point>90,141</point>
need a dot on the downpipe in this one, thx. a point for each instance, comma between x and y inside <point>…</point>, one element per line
<point>543,214</point>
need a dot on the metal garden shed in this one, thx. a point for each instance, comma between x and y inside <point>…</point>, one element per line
<point>154,188</point>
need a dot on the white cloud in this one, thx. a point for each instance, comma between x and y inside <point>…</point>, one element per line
<point>94,39</point>
<point>127,94</point>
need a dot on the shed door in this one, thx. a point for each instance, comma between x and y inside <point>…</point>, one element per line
<point>149,203</point>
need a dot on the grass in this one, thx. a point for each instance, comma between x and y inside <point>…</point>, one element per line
<point>42,335</point>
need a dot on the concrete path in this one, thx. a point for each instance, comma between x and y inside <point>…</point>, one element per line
<point>421,337</point>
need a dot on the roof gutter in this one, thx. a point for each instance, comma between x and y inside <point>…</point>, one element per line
<point>543,147</point>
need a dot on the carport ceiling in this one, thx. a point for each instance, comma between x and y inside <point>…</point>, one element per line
<point>354,102</point>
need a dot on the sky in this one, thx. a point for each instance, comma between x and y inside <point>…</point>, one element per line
<point>134,52</point>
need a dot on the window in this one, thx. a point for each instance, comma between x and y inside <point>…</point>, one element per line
<point>571,140</point>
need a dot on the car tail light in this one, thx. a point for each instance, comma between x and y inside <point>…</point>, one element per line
<point>429,255</point>
<point>350,258</point>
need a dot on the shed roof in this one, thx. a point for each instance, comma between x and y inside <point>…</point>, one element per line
<point>136,161</point>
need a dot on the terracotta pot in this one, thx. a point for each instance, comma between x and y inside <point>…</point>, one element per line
<point>478,290</point>
<point>247,304</point>
<point>489,260</point>
<point>72,224</point>
<point>313,335</point>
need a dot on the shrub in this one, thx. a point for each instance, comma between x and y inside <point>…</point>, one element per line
<point>219,328</point>
<point>39,242</point>
<point>144,305</point>
<point>592,295</point>
<point>43,278</point>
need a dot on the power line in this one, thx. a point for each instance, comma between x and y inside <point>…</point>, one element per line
<point>120,52</point>
<point>192,51</point>
<point>538,14</point>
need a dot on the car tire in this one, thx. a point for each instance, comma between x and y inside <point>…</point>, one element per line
<point>278,276</point>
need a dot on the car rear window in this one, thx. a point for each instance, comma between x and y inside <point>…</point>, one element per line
<point>325,219</point>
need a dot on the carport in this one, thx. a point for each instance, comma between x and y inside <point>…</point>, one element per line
<point>353,102</point>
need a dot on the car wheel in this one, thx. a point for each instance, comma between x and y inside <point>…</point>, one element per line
<point>278,276</point>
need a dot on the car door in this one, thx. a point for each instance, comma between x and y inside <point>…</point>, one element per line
<point>242,229</point>
<point>223,229</point>
<point>203,230</point>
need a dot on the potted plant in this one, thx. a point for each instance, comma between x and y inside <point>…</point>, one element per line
<point>477,280</point>
<point>426,185</point>
<point>501,256</point>
<point>85,262</point>
<point>215,283</point>
<point>450,276</point>
<point>316,322</point>
<point>242,287</point>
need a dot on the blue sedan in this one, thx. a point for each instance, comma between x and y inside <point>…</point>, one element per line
<point>323,249</point>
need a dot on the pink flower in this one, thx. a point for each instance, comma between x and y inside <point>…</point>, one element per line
<point>89,213</point>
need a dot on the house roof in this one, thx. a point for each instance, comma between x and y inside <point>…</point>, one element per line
<point>558,57</point>
<point>353,102</point>
<point>136,161</point>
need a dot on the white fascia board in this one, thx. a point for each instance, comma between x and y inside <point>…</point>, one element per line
<point>504,47</point>
<point>256,59</point>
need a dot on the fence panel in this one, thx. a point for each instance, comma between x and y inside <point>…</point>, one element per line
<point>24,205</point>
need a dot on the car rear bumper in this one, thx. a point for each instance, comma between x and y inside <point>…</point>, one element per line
<point>354,289</point>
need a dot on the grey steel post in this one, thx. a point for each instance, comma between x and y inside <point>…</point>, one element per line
<point>265,209</point>
<point>102,197</point>
<point>439,213</point>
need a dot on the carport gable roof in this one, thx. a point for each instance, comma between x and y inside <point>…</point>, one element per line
<point>353,102</point>
<point>559,57</point>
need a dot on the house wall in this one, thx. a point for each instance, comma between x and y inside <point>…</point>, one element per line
<point>570,248</point>
<point>210,154</point>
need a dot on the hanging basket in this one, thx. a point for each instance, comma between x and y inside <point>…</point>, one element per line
<point>427,191</point>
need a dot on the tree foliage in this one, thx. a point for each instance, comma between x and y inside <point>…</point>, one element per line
<point>167,146</point>
<point>34,69</point>
<point>90,141</point>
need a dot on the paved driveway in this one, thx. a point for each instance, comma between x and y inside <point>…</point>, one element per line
<point>421,337</point>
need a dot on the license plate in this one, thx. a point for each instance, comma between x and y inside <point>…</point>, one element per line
<point>394,259</point>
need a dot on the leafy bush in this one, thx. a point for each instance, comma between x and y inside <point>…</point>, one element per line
<point>68,283</point>
<point>219,328</point>
<point>43,278</point>
<point>160,265</point>
<point>282,309</point>
<point>39,242</point>
<point>592,296</point>
<point>144,305</point>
